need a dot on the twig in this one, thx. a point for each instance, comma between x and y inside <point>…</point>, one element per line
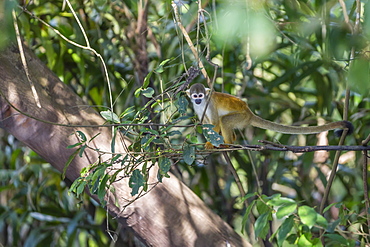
<point>297,149</point>
<point>236,176</point>
<point>345,15</point>
<point>190,43</point>
<point>241,189</point>
<point>333,173</point>
<point>24,61</point>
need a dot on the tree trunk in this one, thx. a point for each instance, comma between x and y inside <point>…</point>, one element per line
<point>169,215</point>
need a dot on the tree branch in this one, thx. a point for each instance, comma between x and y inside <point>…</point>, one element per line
<point>295,149</point>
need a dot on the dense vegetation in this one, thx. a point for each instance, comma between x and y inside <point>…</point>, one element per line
<point>292,60</point>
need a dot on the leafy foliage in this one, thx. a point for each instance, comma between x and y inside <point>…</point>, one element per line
<point>36,208</point>
<point>290,59</point>
<point>299,225</point>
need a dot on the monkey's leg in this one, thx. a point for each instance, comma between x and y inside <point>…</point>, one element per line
<point>230,122</point>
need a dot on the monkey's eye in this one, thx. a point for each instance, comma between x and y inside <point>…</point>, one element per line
<point>196,96</point>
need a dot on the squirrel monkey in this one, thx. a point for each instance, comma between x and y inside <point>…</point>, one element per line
<point>227,112</point>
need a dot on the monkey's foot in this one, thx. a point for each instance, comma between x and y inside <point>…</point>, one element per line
<point>208,145</point>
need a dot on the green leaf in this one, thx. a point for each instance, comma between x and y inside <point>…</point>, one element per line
<point>189,154</point>
<point>81,135</point>
<point>154,132</point>
<point>81,188</point>
<point>136,181</point>
<point>262,225</point>
<point>336,204</point>
<point>262,206</point>
<point>182,104</point>
<point>192,138</point>
<point>102,189</point>
<point>115,158</point>
<point>110,116</point>
<point>284,230</point>
<point>144,167</point>
<point>74,185</point>
<point>82,150</point>
<point>304,241</point>
<point>113,142</point>
<point>128,111</point>
<point>146,141</point>
<point>333,225</point>
<point>74,145</point>
<point>174,132</point>
<point>164,167</point>
<point>78,186</point>
<point>160,69</point>
<point>148,92</point>
<point>286,210</point>
<point>69,161</point>
<point>98,173</point>
<point>147,79</point>
<point>337,240</point>
<point>280,201</point>
<point>96,178</point>
<point>212,136</point>
<point>137,92</point>
<point>249,195</point>
<point>246,215</point>
<point>308,215</point>
<point>321,221</point>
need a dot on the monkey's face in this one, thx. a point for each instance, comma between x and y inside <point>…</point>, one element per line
<point>197,94</point>
<point>197,98</point>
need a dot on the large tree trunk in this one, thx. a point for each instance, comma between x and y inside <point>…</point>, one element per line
<point>169,215</point>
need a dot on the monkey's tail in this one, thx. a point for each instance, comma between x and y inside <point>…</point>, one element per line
<point>346,125</point>
<point>265,124</point>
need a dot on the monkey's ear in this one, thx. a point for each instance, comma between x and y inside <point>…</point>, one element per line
<point>207,90</point>
<point>188,93</point>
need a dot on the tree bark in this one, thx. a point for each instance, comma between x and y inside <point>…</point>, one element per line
<point>169,215</point>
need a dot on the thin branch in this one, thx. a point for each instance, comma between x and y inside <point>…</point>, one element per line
<point>236,176</point>
<point>190,43</point>
<point>345,14</point>
<point>24,61</point>
<point>366,141</point>
<point>241,190</point>
<point>295,149</point>
<point>333,173</point>
<point>336,157</point>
